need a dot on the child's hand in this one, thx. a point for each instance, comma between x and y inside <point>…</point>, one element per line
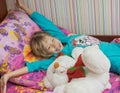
<point>19,4</point>
<point>3,83</point>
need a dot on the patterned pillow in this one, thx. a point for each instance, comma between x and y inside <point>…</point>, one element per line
<point>15,32</point>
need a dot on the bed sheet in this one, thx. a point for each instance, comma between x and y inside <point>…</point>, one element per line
<point>115,82</point>
<point>14,88</point>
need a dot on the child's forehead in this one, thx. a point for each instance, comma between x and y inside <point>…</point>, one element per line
<point>47,38</point>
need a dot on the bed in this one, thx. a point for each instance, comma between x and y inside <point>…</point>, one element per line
<point>15,23</point>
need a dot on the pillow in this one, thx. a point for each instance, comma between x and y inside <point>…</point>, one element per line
<point>15,31</point>
<point>28,56</point>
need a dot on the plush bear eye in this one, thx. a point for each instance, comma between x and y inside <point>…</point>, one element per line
<point>53,71</point>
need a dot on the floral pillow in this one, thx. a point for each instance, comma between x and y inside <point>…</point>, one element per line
<point>15,32</point>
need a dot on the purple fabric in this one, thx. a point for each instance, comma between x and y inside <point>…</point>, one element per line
<point>115,82</point>
<point>15,32</point>
<point>12,88</point>
<point>65,31</point>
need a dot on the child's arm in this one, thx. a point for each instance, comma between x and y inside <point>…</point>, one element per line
<point>23,7</point>
<point>4,79</point>
<point>47,25</point>
<point>44,23</point>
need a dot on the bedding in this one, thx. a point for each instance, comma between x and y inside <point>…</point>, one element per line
<point>12,88</point>
<point>15,32</point>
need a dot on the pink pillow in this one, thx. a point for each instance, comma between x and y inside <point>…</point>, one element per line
<point>65,31</point>
<point>15,32</point>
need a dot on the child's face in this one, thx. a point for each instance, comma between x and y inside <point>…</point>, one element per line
<point>52,44</point>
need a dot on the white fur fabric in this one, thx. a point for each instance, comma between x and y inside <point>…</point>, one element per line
<point>96,67</point>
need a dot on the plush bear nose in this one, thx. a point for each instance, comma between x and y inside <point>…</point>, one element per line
<point>56,65</point>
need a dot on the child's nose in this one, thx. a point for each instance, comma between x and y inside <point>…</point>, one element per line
<point>53,45</point>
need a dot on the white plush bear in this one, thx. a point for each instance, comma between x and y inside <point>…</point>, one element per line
<point>96,68</point>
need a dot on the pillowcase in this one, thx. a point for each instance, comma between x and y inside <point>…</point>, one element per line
<point>15,31</point>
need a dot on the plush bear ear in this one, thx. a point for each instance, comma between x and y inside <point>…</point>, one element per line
<point>95,60</point>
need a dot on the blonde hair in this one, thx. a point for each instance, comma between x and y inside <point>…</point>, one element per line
<point>37,47</point>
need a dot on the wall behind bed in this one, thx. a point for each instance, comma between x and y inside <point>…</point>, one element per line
<point>81,16</point>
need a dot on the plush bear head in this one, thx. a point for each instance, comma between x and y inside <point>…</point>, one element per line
<point>91,56</point>
<point>56,73</point>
